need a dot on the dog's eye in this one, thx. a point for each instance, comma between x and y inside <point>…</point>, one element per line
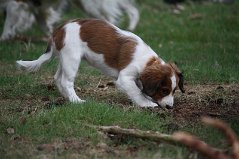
<point>165,91</point>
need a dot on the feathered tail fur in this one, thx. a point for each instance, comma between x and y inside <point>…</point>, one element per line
<point>33,66</point>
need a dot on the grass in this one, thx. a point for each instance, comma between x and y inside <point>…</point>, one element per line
<point>203,40</point>
<point>210,42</point>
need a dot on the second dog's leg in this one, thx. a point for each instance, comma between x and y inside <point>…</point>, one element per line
<point>18,19</point>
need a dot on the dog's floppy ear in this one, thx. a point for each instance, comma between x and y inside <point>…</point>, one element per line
<point>149,90</point>
<point>181,82</point>
<point>180,76</point>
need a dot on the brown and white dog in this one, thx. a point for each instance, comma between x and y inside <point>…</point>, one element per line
<point>122,55</point>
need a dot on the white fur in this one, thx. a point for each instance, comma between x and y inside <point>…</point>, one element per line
<point>174,82</point>
<point>128,76</point>
<point>112,10</point>
<point>52,19</point>
<point>75,49</point>
<point>18,19</point>
<point>3,4</point>
<point>33,66</point>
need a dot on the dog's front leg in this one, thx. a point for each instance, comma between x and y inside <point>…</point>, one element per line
<point>127,84</point>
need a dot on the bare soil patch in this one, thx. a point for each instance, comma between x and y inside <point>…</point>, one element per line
<point>215,100</point>
<point>221,101</point>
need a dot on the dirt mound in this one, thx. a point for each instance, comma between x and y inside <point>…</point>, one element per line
<point>220,101</point>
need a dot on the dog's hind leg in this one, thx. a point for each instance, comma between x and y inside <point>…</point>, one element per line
<point>57,79</point>
<point>70,61</point>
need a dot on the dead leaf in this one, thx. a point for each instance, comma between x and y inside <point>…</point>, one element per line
<point>50,87</point>
<point>22,120</point>
<point>196,16</point>
<point>10,131</point>
<point>46,98</point>
<point>102,145</point>
<point>101,86</point>
<point>28,96</point>
<point>78,89</point>
<point>46,147</point>
<point>60,101</point>
<point>105,88</point>
<point>110,83</point>
<point>220,88</point>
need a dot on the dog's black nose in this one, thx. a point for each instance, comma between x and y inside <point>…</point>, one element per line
<point>169,107</point>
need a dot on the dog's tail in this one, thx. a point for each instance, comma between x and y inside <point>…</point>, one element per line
<point>33,66</point>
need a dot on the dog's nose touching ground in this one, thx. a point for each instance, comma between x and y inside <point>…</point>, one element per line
<point>169,107</point>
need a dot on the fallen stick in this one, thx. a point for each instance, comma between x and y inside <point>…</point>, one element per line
<point>206,150</point>
<point>228,132</point>
<point>182,138</point>
<point>198,145</point>
<point>149,135</point>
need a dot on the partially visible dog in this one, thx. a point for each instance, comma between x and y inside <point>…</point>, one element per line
<point>21,14</point>
<point>112,10</point>
<point>122,55</point>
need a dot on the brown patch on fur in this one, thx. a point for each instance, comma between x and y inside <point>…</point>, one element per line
<point>80,21</point>
<point>153,60</point>
<point>58,37</point>
<point>102,38</point>
<point>156,79</point>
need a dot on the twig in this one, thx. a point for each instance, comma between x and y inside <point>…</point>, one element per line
<point>149,135</point>
<point>98,84</point>
<point>182,138</point>
<point>229,133</point>
<point>198,145</point>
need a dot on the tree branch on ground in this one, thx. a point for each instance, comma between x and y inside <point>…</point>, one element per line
<point>149,135</point>
<point>183,138</point>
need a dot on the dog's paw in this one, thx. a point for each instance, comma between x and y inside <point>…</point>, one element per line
<point>149,104</point>
<point>5,37</point>
<point>77,100</point>
<point>82,101</point>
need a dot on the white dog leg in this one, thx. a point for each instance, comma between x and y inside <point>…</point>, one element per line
<point>69,70</point>
<point>128,85</point>
<point>57,79</point>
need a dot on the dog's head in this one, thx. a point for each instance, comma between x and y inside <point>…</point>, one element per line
<point>159,82</point>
